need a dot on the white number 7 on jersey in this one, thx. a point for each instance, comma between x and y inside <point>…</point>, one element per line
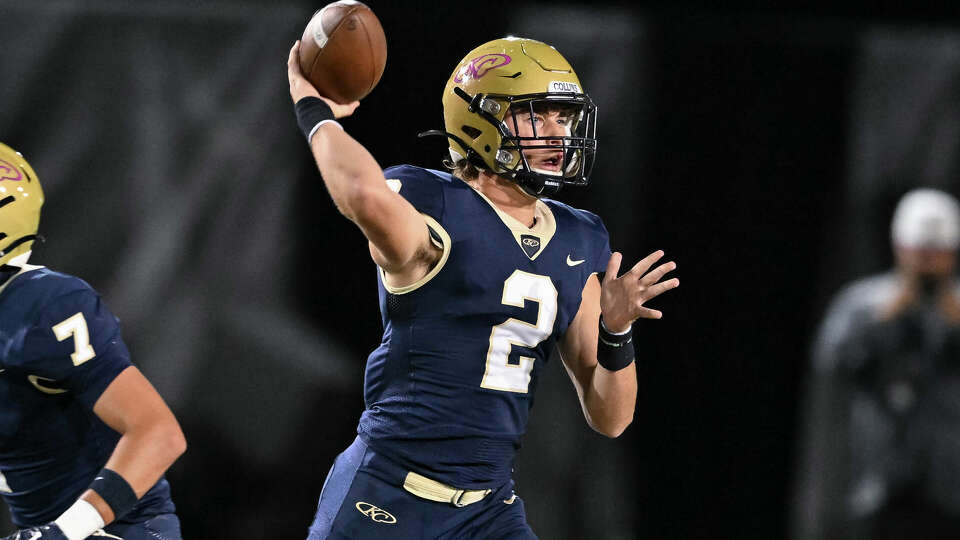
<point>500,374</point>
<point>76,326</point>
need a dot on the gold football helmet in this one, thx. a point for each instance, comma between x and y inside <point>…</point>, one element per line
<point>505,75</point>
<point>20,200</point>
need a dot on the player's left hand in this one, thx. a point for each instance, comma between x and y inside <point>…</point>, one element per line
<point>300,87</point>
<point>49,531</point>
<point>622,298</point>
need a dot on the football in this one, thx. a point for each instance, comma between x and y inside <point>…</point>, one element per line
<point>343,51</point>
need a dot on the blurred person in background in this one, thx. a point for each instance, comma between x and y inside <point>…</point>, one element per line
<point>881,452</point>
<point>85,439</point>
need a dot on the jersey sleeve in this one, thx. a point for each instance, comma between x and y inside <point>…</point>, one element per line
<point>600,241</point>
<point>420,187</point>
<point>75,346</point>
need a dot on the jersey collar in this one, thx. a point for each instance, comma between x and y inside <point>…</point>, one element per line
<point>544,226</point>
<point>21,261</point>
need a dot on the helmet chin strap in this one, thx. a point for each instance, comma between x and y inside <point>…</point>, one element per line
<point>533,182</point>
<point>537,185</point>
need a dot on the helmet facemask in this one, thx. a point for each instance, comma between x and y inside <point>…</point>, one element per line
<point>575,149</point>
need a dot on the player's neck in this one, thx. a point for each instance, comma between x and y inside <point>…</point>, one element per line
<point>508,197</point>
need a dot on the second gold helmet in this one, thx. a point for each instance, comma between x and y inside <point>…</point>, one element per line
<point>20,200</point>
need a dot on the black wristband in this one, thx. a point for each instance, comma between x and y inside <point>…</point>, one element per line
<point>115,491</point>
<point>311,111</point>
<point>614,351</point>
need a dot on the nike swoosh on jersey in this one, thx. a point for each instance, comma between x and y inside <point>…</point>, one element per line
<point>571,262</point>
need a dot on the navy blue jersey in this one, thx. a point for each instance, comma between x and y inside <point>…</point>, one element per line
<point>449,389</point>
<point>60,347</point>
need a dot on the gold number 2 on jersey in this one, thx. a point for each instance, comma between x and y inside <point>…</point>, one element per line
<point>76,326</point>
<point>521,286</point>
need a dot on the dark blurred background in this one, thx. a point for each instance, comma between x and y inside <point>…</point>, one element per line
<point>763,149</point>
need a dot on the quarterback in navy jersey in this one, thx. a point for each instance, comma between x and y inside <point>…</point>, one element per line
<point>84,438</point>
<point>481,275</point>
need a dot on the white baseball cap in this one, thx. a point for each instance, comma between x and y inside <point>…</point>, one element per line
<point>926,218</point>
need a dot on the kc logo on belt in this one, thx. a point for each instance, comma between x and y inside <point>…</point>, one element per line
<point>378,515</point>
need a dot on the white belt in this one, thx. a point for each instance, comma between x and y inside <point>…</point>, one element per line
<point>425,488</point>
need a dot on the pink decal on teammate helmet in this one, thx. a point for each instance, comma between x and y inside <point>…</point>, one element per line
<point>479,66</point>
<point>8,171</point>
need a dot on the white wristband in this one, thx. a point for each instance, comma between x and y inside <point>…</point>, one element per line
<point>320,123</point>
<point>80,520</point>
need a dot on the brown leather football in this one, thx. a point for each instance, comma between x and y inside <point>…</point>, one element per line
<point>343,51</point>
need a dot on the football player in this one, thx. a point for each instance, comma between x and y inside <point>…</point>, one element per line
<point>84,437</point>
<point>480,276</point>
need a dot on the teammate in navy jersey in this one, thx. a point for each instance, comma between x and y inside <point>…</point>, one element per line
<point>480,276</point>
<point>84,438</point>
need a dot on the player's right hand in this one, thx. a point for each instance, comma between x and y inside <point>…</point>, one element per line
<point>49,531</point>
<point>300,87</point>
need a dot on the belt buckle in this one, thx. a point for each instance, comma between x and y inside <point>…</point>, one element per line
<point>458,497</point>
